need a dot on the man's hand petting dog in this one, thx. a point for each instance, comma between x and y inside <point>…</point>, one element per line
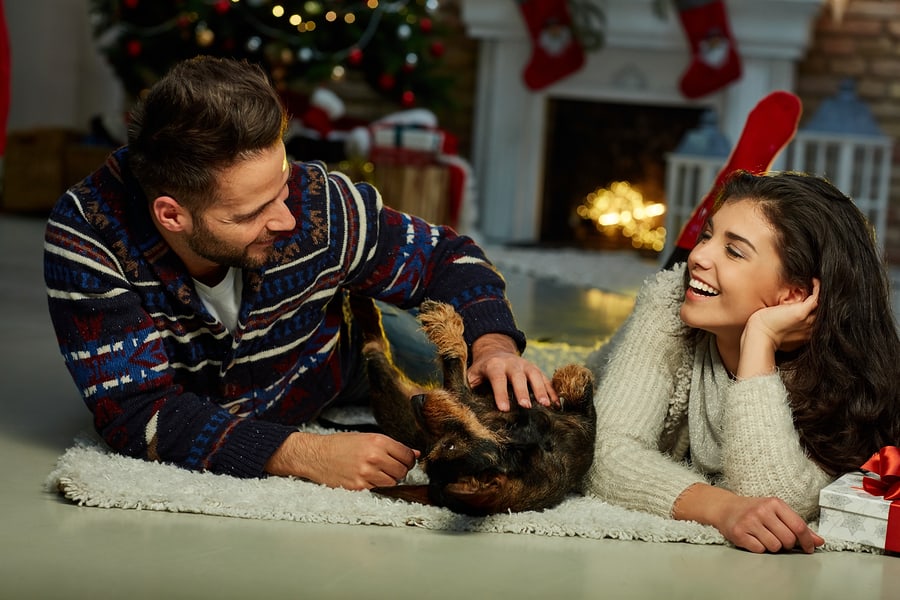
<point>496,359</point>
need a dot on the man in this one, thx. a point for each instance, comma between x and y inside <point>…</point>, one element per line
<point>197,285</point>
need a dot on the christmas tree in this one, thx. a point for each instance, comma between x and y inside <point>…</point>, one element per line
<point>301,43</point>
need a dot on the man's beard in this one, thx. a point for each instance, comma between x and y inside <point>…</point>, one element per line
<point>204,243</point>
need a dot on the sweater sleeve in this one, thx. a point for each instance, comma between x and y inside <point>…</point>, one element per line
<point>118,361</point>
<point>637,384</point>
<point>761,452</point>
<point>403,260</point>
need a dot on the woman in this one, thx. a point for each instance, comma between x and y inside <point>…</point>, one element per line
<point>746,380</point>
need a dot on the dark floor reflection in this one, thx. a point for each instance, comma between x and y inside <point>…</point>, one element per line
<point>547,310</point>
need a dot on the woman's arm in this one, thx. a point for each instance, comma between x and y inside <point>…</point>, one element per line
<point>757,524</point>
<point>761,452</point>
<point>635,386</point>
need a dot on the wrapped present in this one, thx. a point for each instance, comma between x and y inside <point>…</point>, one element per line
<point>417,190</point>
<point>41,163</point>
<point>406,144</point>
<point>865,508</point>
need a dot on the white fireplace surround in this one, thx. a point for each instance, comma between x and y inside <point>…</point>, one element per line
<point>641,62</point>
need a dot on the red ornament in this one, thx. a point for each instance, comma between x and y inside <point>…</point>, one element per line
<point>386,81</point>
<point>437,49</point>
<point>355,57</point>
<point>133,48</point>
<point>222,6</point>
<point>408,99</point>
<point>132,4</point>
<point>426,25</point>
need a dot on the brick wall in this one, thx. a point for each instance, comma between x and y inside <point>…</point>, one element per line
<point>863,45</point>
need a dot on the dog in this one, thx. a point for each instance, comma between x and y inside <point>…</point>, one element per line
<point>479,460</point>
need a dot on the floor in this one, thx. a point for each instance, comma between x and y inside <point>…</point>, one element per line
<point>53,549</point>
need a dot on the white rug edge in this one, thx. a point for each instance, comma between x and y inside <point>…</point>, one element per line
<point>90,475</point>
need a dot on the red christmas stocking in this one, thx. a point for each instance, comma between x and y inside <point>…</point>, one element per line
<point>769,127</point>
<point>556,52</point>
<point>715,62</point>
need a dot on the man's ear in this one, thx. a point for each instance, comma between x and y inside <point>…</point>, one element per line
<point>170,215</point>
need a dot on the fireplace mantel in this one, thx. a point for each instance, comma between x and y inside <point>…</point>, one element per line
<point>641,62</point>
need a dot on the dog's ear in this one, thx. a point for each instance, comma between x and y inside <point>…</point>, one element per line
<point>411,493</point>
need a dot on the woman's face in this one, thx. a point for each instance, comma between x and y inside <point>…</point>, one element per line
<point>734,271</point>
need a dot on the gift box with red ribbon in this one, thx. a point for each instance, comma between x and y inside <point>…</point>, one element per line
<point>403,144</point>
<point>864,507</point>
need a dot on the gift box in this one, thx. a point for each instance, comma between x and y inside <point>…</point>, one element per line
<point>850,513</point>
<point>41,163</point>
<point>417,190</point>
<point>406,144</point>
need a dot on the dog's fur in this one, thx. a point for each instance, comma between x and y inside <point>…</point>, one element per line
<point>479,460</point>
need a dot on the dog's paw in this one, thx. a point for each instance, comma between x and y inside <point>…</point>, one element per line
<point>574,384</point>
<point>444,327</point>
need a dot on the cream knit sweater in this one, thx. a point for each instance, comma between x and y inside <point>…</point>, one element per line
<point>668,416</point>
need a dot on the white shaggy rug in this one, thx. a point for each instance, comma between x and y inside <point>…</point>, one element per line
<point>89,474</point>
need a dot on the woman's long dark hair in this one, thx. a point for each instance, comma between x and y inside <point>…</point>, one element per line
<point>843,383</point>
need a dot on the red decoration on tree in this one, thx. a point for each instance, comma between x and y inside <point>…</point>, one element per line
<point>426,25</point>
<point>408,99</point>
<point>437,49</point>
<point>714,59</point>
<point>134,48</point>
<point>222,6</point>
<point>386,81</point>
<point>355,57</point>
<point>556,52</point>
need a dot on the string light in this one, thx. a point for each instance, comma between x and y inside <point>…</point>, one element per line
<point>296,40</point>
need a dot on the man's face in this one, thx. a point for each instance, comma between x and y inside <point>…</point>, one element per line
<point>241,227</point>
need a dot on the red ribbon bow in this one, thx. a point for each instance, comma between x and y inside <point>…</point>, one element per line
<point>886,464</point>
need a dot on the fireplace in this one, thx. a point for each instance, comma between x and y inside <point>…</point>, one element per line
<point>605,189</point>
<point>639,66</point>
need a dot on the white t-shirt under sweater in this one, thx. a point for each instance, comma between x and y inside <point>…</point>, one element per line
<point>661,399</point>
<point>223,300</point>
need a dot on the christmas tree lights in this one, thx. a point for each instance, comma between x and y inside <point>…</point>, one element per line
<point>301,43</point>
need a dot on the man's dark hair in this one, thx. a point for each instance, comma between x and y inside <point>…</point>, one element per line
<point>205,115</point>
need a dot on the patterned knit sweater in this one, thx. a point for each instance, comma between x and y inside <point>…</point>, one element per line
<point>662,400</point>
<point>166,381</point>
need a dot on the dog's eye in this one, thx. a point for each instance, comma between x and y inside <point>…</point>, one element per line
<point>449,446</point>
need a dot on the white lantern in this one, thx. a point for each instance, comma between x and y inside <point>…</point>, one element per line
<point>843,143</point>
<point>691,170</point>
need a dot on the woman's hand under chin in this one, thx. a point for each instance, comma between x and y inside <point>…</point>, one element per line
<point>783,327</point>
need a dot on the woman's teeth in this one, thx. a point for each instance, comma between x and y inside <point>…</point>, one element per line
<point>702,288</point>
